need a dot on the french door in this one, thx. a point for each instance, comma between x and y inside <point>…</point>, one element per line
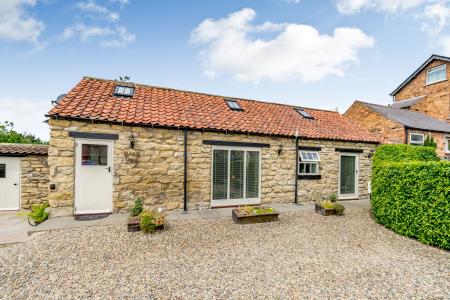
<point>236,176</point>
<point>348,176</point>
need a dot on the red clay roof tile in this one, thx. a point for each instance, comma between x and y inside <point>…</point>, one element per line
<point>93,98</point>
<point>23,149</point>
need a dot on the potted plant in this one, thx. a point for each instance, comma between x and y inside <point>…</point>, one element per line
<point>150,221</point>
<point>135,211</point>
<point>254,214</point>
<point>38,214</point>
<point>330,207</point>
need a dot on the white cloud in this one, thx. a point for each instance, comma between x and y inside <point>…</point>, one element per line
<point>436,17</point>
<point>444,44</point>
<point>349,7</point>
<point>93,8</point>
<point>16,24</point>
<point>117,37</point>
<point>297,52</point>
<point>121,2</point>
<point>26,114</point>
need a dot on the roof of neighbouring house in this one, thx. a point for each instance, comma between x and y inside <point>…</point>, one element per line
<point>407,102</point>
<point>418,70</point>
<point>23,149</point>
<point>93,99</point>
<point>411,119</point>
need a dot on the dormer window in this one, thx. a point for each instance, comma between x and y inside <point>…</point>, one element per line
<point>233,105</point>
<point>437,74</point>
<point>124,91</point>
<point>304,114</point>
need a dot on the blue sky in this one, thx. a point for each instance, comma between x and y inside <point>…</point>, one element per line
<point>323,54</point>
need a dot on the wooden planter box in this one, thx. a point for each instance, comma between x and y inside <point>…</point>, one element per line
<point>133,225</point>
<point>324,211</point>
<point>251,219</point>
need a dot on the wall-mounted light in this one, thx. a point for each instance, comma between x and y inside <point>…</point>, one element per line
<point>280,149</point>
<point>370,153</point>
<point>132,140</point>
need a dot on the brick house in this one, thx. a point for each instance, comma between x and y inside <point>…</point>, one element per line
<point>112,141</point>
<point>421,108</point>
<point>23,175</point>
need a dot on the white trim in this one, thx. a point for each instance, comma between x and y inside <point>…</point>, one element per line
<point>110,144</point>
<point>234,202</point>
<point>436,69</point>
<point>416,143</point>
<point>356,194</point>
<point>447,144</point>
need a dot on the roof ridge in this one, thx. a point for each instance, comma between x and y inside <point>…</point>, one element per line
<point>209,94</point>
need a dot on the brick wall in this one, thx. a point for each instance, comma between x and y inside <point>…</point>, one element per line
<point>154,168</point>
<point>437,100</point>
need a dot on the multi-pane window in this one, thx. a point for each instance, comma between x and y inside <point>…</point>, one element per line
<point>124,91</point>
<point>308,163</point>
<point>416,138</point>
<point>437,74</point>
<point>236,174</point>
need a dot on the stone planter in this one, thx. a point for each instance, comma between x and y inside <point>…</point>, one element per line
<point>254,218</point>
<point>324,211</point>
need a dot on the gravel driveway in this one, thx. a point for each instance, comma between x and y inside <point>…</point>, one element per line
<point>304,255</point>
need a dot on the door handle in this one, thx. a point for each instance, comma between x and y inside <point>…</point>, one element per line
<point>109,169</point>
<point>15,184</point>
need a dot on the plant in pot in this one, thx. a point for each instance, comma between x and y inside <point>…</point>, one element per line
<point>151,221</point>
<point>135,211</point>
<point>38,214</point>
<point>330,206</point>
<point>254,214</point>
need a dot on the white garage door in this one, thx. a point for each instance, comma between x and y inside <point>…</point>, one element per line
<point>9,183</point>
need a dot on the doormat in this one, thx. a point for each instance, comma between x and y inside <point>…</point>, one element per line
<point>90,217</point>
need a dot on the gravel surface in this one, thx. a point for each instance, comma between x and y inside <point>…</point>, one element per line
<point>304,255</point>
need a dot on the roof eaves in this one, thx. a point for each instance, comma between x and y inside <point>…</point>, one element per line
<point>418,70</point>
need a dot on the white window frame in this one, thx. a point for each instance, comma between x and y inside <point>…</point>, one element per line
<point>436,69</point>
<point>447,144</point>
<point>242,201</point>
<point>301,160</point>
<point>414,142</point>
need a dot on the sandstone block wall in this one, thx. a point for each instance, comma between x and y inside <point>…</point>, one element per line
<point>437,101</point>
<point>153,169</point>
<point>34,180</point>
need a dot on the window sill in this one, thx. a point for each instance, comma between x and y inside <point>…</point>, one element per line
<point>309,177</point>
<point>427,84</point>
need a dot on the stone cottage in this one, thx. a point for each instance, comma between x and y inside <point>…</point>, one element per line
<point>23,175</point>
<point>112,141</point>
<point>421,108</point>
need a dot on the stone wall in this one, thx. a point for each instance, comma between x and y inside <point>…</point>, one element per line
<point>437,100</point>
<point>153,169</point>
<point>34,180</point>
<point>391,131</point>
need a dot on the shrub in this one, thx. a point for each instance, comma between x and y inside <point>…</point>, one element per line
<point>339,209</point>
<point>410,196</point>
<point>429,142</point>
<point>333,197</point>
<point>404,153</point>
<point>39,212</point>
<point>147,222</point>
<point>137,208</point>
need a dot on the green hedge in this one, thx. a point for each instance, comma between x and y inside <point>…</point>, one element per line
<point>398,153</point>
<point>412,197</point>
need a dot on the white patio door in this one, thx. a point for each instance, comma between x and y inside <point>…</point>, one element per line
<point>348,176</point>
<point>9,183</point>
<point>93,176</point>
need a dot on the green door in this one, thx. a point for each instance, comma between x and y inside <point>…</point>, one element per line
<point>348,176</point>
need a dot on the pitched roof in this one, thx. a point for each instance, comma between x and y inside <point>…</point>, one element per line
<point>411,119</point>
<point>407,102</point>
<point>23,149</point>
<point>418,70</point>
<point>93,99</point>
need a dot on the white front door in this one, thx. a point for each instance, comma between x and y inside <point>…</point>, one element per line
<point>348,176</point>
<point>9,183</point>
<point>93,176</point>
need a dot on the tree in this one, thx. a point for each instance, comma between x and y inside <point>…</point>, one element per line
<point>9,135</point>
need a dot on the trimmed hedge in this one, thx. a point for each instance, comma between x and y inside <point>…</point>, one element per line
<point>398,153</point>
<point>412,197</point>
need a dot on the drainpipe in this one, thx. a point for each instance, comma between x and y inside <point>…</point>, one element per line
<point>185,170</point>
<point>296,169</point>
<point>406,135</point>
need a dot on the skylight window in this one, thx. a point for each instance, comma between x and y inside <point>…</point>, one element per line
<point>303,113</point>
<point>233,105</point>
<point>124,91</point>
